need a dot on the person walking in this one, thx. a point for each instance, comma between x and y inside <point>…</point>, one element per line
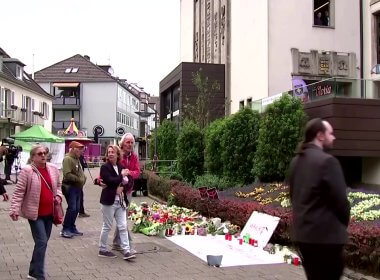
<point>321,210</point>
<point>33,198</point>
<point>130,162</point>
<point>73,182</point>
<point>114,203</point>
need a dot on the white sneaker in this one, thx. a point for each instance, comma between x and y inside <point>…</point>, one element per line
<point>31,277</point>
<point>133,251</point>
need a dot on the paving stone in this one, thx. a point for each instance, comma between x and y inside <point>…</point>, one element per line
<point>74,259</point>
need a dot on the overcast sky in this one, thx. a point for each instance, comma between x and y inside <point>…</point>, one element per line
<point>140,38</point>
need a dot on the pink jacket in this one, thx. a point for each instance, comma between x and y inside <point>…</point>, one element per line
<point>26,196</point>
<point>131,162</point>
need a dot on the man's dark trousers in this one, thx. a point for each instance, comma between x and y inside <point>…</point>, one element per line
<point>322,261</point>
<point>72,195</point>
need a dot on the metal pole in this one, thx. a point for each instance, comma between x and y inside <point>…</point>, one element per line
<point>155,133</point>
<point>9,127</point>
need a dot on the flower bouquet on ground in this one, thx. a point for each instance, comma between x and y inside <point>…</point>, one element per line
<point>162,220</point>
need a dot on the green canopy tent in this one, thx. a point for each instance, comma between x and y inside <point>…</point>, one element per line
<point>37,133</point>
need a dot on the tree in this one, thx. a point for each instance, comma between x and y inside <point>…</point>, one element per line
<point>199,111</point>
<point>166,141</point>
<point>239,145</point>
<point>281,129</point>
<point>190,151</point>
<point>214,148</point>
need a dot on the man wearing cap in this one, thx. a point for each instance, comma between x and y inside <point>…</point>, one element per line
<point>73,181</point>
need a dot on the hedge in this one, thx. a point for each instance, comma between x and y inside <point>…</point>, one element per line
<point>281,129</point>
<point>239,141</point>
<point>361,252</point>
<point>190,151</point>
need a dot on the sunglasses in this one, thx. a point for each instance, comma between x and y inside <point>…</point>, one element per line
<point>41,154</point>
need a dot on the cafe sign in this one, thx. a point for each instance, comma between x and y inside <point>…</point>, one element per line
<point>324,66</point>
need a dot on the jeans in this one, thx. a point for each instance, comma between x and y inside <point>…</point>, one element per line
<point>109,213</point>
<point>322,261</point>
<point>41,229</point>
<point>116,237</point>
<point>72,195</point>
<point>81,206</point>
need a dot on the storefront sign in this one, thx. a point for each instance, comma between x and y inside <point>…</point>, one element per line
<point>322,90</point>
<point>324,65</point>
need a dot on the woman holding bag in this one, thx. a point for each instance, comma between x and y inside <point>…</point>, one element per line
<point>114,203</point>
<point>37,190</point>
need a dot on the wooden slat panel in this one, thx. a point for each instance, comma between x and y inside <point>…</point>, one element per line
<point>356,124</point>
<point>357,145</point>
<point>357,135</point>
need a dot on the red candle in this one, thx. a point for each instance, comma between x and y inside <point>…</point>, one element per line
<point>250,241</point>
<point>241,241</point>
<point>226,236</point>
<point>296,261</point>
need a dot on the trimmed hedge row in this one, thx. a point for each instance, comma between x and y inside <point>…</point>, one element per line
<point>361,252</point>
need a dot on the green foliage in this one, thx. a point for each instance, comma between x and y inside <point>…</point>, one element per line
<point>166,140</point>
<point>239,145</point>
<point>190,150</point>
<point>212,181</point>
<point>151,145</point>
<point>199,111</point>
<point>158,186</point>
<point>213,137</point>
<point>281,129</point>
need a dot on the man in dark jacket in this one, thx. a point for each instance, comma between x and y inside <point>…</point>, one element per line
<point>73,181</point>
<point>321,210</point>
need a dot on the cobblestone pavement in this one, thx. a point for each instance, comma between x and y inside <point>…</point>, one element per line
<point>77,258</point>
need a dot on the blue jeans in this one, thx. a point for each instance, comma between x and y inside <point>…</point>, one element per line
<point>72,195</point>
<point>41,229</point>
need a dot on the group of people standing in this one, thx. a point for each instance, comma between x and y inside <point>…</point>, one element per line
<point>321,211</point>
<point>39,186</point>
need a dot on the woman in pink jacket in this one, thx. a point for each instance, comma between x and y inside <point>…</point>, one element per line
<point>37,187</point>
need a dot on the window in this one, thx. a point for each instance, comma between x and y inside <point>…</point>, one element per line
<point>241,104</point>
<point>249,103</point>
<point>19,72</point>
<point>2,102</point>
<point>323,12</point>
<point>74,70</point>
<point>68,70</point>
<point>44,109</point>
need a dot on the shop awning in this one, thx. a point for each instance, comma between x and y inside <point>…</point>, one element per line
<point>67,85</point>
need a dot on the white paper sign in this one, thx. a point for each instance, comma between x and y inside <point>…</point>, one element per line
<point>260,227</point>
<point>233,253</point>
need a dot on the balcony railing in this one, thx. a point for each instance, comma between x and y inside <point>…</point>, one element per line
<point>18,117</point>
<point>66,101</point>
<point>329,88</point>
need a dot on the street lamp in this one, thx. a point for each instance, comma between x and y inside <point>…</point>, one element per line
<point>146,114</point>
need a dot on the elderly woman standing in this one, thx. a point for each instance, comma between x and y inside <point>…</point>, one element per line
<point>37,188</point>
<point>114,203</point>
<point>130,162</point>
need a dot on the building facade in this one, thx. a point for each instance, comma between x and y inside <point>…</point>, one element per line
<point>91,95</point>
<point>179,94</point>
<point>23,102</point>
<point>264,45</point>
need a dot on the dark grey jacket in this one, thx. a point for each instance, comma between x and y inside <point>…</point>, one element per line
<point>321,210</point>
